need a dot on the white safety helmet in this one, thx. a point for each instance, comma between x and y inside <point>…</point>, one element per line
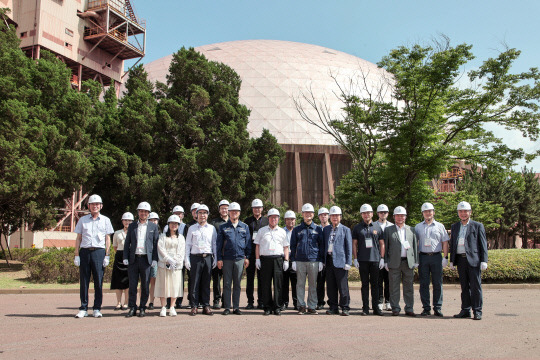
<point>273,211</point>
<point>290,215</point>
<point>400,210</point>
<point>128,216</point>
<point>234,206</point>
<point>322,210</point>
<point>335,210</point>
<point>382,208</point>
<point>178,208</point>
<point>257,203</point>
<point>464,206</point>
<point>427,206</point>
<point>307,207</point>
<point>173,218</point>
<point>366,208</point>
<point>203,207</point>
<point>153,215</point>
<point>94,199</point>
<point>194,206</point>
<point>144,206</point>
<point>223,202</point>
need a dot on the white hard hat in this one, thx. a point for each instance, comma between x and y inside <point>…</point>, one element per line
<point>464,206</point>
<point>335,210</point>
<point>173,218</point>
<point>94,199</point>
<point>322,210</point>
<point>234,206</point>
<point>382,208</point>
<point>153,215</point>
<point>273,211</point>
<point>127,216</point>
<point>144,206</point>
<point>290,215</point>
<point>366,208</point>
<point>307,207</point>
<point>194,206</point>
<point>257,203</point>
<point>203,207</point>
<point>427,206</point>
<point>178,208</point>
<point>400,210</point>
<point>223,202</point>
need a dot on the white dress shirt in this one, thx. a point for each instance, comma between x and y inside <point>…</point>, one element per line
<point>402,238</point>
<point>141,238</point>
<point>201,239</point>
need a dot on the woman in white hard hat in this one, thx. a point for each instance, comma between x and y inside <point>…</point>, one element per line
<point>120,278</point>
<point>171,252</point>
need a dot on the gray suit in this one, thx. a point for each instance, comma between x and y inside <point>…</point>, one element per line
<point>400,268</point>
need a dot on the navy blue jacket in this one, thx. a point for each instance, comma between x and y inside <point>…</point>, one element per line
<point>342,253</point>
<point>233,244</point>
<point>475,243</point>
<point>307,243</point>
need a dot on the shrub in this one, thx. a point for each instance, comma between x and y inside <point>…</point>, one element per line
<point>21,255</point>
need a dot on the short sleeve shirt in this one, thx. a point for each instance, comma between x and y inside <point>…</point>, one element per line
<point>93,231</point>
<point>271,241</point>
<point>368,236</point>
<point>430,237</point>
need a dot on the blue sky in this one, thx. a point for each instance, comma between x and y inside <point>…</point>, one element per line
<point>367,29</point>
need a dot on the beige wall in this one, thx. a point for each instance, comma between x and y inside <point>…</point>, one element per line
<point>42,239</point>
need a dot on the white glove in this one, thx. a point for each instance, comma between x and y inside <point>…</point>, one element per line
<point>381,264</point>
<point>293,266</point>
<point>416,266</point>
<point>214,263</point>
<point>347,267</point>
<point>444,262</point>
<point>285,265</point>
<point>77,261</point>
<point>172,267</point>
<point>386,266</point>
<point>451,265</point>
<point>125,262</point>
<point>106,261</point>
<point>187,264</point>
<point>320,266</point>
<point>356,264</point>
<point>483,266</point>
<point>154,263</point>
<point>258,264</point>
<point>171,262</point>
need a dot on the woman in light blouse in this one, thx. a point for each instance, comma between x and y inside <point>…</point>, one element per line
<point>120,279</point>
<point>171,252</point>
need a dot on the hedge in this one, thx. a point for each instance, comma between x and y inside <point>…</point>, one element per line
<point>22,255</point>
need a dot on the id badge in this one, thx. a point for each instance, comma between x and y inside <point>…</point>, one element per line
<point>406,244</point>
<point>254,235</point>
<point>331,247</point>
<point>369,243</point>
<point>461,242</point>
<point>427,242</point>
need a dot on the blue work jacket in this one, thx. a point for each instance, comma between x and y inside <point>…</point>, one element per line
<point>307,243</point>
<point>233,243</point>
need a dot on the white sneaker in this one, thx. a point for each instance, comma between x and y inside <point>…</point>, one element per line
<point>172,312</point>
<point>82,314</point>
<point>380,307</point>
<point>163,311</point>
<point>97,314</point>
<point>388,306</point>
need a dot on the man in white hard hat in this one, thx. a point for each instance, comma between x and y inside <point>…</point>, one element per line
<point>307,248</point>
<point>92,253</point>
<point>384,282</point>
<point>338,259</point>
<point>201,257</point>
<point>401,258</point>
<point>368,250</point>
<point>468,249</point>
<point>432,240</point>
<point>323,214</point>
<point>217,274</point>
<point>255,222</point>
<point>272,258</point>
<point>233,252</point>
<point>140,254</point>
<point>289,276</point>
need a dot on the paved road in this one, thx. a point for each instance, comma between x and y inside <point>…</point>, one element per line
<point>42,326</point>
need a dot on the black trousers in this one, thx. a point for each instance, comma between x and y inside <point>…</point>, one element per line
<point>271,271</point>
<point>250,282</point>
<point>321,281</point>
<point>470,278</point>
<point>337,281</point>
<point>384,286</point>
<point>200,274</point>
<point>289,276</point>
<point>139,269</point>
<point>369,274</point>
<point>91,263</point>
<point>217,275</point>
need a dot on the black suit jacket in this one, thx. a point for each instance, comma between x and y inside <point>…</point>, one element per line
<point>130,245</point>
<point>475,243</point>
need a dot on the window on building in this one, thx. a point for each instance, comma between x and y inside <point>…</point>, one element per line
<point>69,32</point>
<point>68,45</point>
<point>24,34</point>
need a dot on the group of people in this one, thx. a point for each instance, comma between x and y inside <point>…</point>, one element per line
<point>385,254</point>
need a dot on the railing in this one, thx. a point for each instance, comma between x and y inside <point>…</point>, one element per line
<point>118,6</point>
<point>98,31</point>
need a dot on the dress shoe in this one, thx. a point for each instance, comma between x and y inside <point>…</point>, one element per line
<point>318,307</point>
<point>142,313</point>
<point>267,312</point>
<point>477,317</point>
<point>237,312</point>
<point>395,313</point>
<point>124,307</point>
<point>260,307</point>
<point>378,312</point>
<point>332,312</point>
<point>426,312</point>
<point>250,306</point>
<point>284,306</point>
<point>364,312</point>
<point>277,312</point>
<point>301,310</point>
<point>131,312</point>
<point>438,312</point>
<point>151,306</point>
<point>344,312</point>
<point>410,313</point>
<point>118,307</point>
<point>193,311</point>
<point>226,312</point>
<point>463,314</point>
<point>216,305</point>
<point>207,311</point>
<point>295,307</point>
<point>312,312</point>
